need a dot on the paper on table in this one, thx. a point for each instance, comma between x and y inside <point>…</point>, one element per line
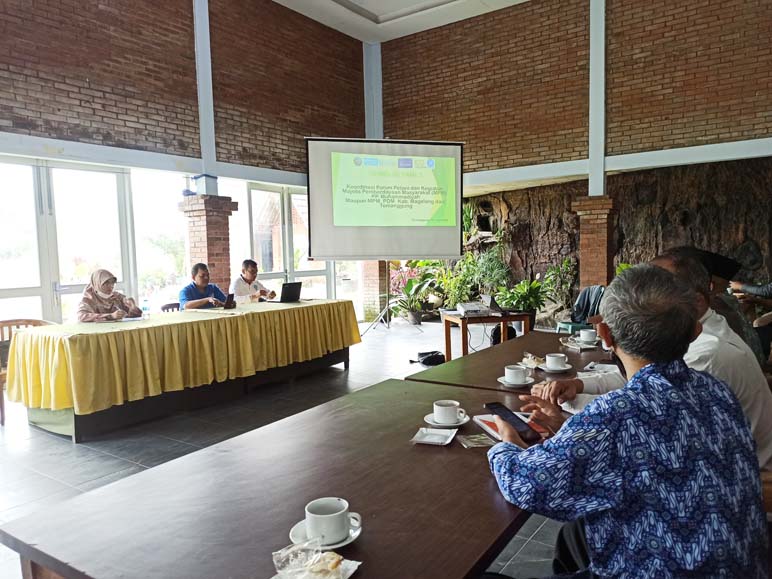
<point>347,569</point>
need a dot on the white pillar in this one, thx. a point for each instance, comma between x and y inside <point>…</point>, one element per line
<point>207,184</point>
<point>373,90</point>
<point>597,138</point>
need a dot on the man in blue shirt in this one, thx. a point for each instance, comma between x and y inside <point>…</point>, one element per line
<point>663,472</point>
<point>200,293</point>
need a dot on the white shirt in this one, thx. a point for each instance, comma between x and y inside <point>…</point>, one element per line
<point>242,291</point>
<point>723,354</point>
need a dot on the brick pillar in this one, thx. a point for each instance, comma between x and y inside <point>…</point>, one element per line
<point>375,284</point>
<point>209,234</point>
<point>596,250</point>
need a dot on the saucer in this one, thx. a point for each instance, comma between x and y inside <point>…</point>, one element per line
<point>565,368</point>
<point>528,382</point>
<point>298,535</point>
<point>429,419</point>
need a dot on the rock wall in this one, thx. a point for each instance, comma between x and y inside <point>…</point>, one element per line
<point>723,207</point>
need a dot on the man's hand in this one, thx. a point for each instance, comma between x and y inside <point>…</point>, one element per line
<point>508,433</point>
<point>558,391</point>
<point>543,412</point>
<point>215,302</point>
<point>736,285</point>
<point>118,315</point>
<point>262,293</point>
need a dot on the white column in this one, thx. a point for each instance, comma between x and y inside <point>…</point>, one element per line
<point>207,184</point>
<point>597,140</point>
<point>373,90</point>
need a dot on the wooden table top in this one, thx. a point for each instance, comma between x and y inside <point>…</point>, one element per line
<point>482,369</point>
<point>427,511</point>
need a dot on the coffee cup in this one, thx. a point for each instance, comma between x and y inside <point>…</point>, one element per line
<point>448,412</point>
<point>330,520</point>
<point>588,336</point>
<point>556,361</point>
<point>515,374</point>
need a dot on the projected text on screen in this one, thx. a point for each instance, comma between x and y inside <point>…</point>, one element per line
<point>390,190</point>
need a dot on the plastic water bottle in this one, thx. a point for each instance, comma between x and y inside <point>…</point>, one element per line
<point>145,309</point>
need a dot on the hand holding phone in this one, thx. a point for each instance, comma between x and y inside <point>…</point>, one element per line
<point>527,434</point>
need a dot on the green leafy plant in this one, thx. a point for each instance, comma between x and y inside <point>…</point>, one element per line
<point>525,296</point>
<point>467,219</point>
<point>491,270</point>
<point>622,267</point>
<point>559,282</point>
<point>411,299</point>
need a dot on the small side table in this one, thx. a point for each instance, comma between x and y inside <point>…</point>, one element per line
<point>464,322</point>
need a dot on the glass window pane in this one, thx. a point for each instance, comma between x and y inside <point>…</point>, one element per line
<point>19,250</point>
<point>87,230</point>
<point>266,226</point>
<point>240,247</point>
<point>348,284</point>
<point>21,308</point>
<point>161,236</point>
<point>300,234</point>
<point>70,307</point>
<point>313,287</point>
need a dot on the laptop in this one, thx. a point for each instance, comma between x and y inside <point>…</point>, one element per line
<point>290,292</point>
<point>490,301</point>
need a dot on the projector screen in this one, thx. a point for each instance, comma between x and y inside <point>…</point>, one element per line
<point>384,199</point>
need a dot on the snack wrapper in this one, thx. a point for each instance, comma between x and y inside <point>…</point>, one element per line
<point>298,562</point>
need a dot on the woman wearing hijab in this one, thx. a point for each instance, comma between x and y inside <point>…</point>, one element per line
<point>101,302</point>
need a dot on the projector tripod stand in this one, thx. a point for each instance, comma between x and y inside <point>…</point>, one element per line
<point>385,317</point>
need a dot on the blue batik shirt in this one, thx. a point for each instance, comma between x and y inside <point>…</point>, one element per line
<point>191,293</point>
<point>664,472</point>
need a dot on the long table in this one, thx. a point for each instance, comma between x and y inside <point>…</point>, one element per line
<point>482,369</point>
<point>79,370</point>
<point>427,511</point>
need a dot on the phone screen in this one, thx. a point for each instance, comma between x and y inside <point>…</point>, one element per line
<point>525,431</point>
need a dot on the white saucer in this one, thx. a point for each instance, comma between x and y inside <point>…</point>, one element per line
<point>565,368</point>
<point>504,381</point>
<point>429,419</point>
<point>298,535</point>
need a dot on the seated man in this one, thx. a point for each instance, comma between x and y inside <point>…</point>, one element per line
<point>662,472</point>
<point>246,288</point>
<point>200,293</point>
<point>717,351</point>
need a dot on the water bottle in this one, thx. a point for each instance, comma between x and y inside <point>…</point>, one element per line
<point>145,309</point>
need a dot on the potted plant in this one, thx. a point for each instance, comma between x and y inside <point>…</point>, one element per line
<point>411,301</point>
<point>526,296</point>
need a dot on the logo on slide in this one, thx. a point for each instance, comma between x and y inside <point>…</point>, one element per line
<point>357,161</point>
<point>405,163</point>
<point>430,163</point>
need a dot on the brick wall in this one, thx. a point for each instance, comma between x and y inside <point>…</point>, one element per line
<point>596,250</point>
<point>687,73</point>
<point>279,77</point>
<point>512,84</point>
<point>110,72</point>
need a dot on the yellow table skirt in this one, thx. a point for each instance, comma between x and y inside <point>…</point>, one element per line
<point>91,367</point>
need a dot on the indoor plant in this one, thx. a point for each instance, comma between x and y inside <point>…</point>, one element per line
<point>526,296</point>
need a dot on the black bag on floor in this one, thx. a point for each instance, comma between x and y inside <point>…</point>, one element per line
<point>434,358</point>
<point>496,334</point>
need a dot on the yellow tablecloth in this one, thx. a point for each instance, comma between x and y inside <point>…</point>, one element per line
<point>91,367</point>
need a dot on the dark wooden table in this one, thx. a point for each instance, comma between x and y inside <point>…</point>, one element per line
<point>464,322</point>
<point>481,369</point>
<point>428,511</point>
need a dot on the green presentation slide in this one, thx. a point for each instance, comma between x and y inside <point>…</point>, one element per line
<point>393,190</point>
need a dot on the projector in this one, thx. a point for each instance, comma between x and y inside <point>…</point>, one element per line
<point>473,309</point>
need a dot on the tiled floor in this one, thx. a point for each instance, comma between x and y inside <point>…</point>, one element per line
<point>38,469</point>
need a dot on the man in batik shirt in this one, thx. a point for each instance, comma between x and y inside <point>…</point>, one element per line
<point>661,475</point>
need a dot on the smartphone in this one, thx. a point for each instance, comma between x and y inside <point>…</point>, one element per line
<point>525,431</point>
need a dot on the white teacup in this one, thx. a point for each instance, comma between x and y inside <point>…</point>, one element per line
<point>515,374</point>
<point>329,519</point>
<point>448,412</point>
<point>588,336</point>
<point>556,361</point>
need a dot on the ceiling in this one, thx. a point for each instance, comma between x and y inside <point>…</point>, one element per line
<point>382,20</point>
